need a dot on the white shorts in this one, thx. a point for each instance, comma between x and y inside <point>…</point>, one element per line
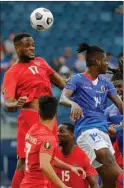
<point>94,139</point>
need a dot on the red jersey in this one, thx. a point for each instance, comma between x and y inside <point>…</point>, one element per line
<point>39,139</point>
<point>29,79</point>
<point>76,158</point>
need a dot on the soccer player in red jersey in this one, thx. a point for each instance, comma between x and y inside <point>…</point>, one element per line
<point>73,155</point>
<point>40,145</point>
<point>23,84</point>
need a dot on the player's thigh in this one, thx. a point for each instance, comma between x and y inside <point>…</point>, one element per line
<point>20,164</point>
<point>91,141</point>
<point>109,169</point>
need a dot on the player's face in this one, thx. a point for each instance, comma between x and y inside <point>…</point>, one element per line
<point>64,136</point>
<point>26,49</point>
<point>103,64</point>
<point>119,87</point>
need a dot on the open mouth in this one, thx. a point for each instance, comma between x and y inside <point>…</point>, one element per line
<point>31,54</point>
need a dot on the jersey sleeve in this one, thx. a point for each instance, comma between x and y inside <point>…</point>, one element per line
<point>47,146</point>
<point>72,83</point>
<point>50,71</point>
<point>9,85</point>
<point>90,171</point>
<point>111,89</point>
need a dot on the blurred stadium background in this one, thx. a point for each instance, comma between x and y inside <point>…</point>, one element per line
<point>97,23</point>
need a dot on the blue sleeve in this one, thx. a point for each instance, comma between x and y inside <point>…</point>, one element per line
<point>72,83</point>
<point>111,89</point>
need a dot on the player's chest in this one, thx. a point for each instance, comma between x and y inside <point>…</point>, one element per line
<point>32,72</point>
<point>92,89</point>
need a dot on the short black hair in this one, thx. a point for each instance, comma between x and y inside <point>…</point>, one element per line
<point>118,73</point>
<point>20,36</point>
<point>90,52</point>
<point>70,127</point>
<point>47,107</point>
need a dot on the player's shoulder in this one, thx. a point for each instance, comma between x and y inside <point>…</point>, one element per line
<point>103,79</point>
<point>40,60</point>
<point>75,77</point>
<point>12,70</point>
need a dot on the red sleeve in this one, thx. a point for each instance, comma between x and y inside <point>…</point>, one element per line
<point>50,71</point>
<point>90,171</point>
<point>48,146</point>
<point>9,85</point>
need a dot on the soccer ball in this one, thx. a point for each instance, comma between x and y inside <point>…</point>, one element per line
<point>41,19</point>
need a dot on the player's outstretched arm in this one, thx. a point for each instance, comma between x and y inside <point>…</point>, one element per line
<point>65,100</point>
<point>58,81</point>
<point>48,170</point>
<point>77,170</point>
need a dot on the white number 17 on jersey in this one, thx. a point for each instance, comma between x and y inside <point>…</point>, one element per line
<point>33,69</point>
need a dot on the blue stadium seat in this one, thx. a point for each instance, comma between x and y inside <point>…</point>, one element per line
<point>96,21</point>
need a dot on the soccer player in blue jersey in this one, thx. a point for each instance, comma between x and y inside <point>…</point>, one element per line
<point>114,116</point>
<point>86,93</point>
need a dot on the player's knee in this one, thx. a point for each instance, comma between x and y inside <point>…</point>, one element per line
<point>20,164</point>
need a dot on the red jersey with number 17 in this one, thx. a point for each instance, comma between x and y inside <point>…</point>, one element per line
<point>39,139</point>
<point>29,79</point>
<point>76,158</point>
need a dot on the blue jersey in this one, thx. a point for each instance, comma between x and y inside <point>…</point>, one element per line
<point>91,96</point>
<point>114,117</point>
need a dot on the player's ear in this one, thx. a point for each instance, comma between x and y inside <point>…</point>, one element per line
<point>98,63</point>
<point>72,135</point>
<point>17,48</point>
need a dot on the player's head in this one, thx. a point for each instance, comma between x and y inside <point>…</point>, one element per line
<point>95,57</point>
<point>65,133</point>
<point>117,80</point>
<point>47,107</point>
<point>24,45</point>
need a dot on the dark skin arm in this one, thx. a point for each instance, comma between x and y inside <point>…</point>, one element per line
<point>93,181</point>
<point>65,100</point>
<point>12,104</point>
<point>58,81</point>
<point>118,102</point>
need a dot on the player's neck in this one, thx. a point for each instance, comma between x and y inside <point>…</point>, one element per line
<point>66,150</point>
<point>24,59</point>
<point>47,123</point>
<point>92,73</point>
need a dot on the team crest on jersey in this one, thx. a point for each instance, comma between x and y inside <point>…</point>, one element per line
<point>103,88</point>
<point>37,63</point>
<point>4,91</point>
<point>47,145</point>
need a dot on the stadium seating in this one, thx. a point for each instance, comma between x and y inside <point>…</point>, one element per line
<point>94,22</point>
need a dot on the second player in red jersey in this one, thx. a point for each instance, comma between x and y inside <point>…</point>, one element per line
<point>73,155</point>
<point>23,84</point>
<point>40,147</point>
